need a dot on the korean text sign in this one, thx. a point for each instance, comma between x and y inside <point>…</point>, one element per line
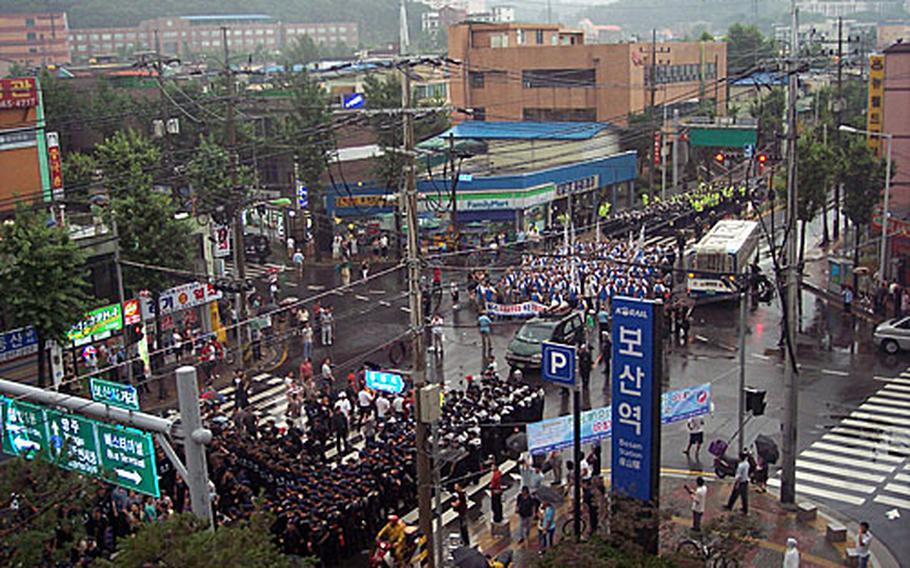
<point>108,318</point>
<point>18,343</point>
<point>636,399</point>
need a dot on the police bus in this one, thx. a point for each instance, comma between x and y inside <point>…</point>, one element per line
<point>724,253</point>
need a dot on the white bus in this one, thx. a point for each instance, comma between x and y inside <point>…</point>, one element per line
<point>719,257</point>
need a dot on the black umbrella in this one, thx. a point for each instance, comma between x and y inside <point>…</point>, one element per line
<point>549,495</point>
<point>467,557</point>
<point>767,449</point>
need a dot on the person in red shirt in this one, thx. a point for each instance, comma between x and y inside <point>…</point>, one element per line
<point>496,493</point>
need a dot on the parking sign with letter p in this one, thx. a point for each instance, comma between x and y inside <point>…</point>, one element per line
<point>558,363</point>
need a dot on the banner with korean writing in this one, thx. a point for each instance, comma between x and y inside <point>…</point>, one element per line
<point>18,93</point>
<point>556,433</point>
<point>18,343</point>
<point>55,163</point>
<point>221,241</point>
<point>101,320</point>
<point>682,404</point>
<point>524,309</point>
<point>635,400</point>
<point>182,297</point>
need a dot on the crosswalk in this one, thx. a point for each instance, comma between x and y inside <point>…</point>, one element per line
<point>255,271</point>
<point>866,457</point>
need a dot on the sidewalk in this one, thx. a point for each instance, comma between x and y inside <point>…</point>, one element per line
<point>776,523</point>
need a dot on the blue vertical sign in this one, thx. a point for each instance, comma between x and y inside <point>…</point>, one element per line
<point>636,399</point>
<point>303,196</point>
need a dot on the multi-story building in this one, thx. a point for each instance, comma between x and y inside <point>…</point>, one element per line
<point>543,72</point>
<point>435,20</point>
<point>839,8</point>
<point>199,34</point>
<point>30,163</point>
<point>33,38</point>
<point>890,33</point>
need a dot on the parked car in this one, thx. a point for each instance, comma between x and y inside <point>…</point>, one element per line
<point>524,352</point>
<point>893,335</point>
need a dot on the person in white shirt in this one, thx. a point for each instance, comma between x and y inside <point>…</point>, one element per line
<point>791,556</point>
<point>740,484</point>
<point>364,404</point>
<point>344,405</point>
<point>398,404</point>
<point>699,497</point>
<point>436,327</point>
<point>382,407</point>
<point>696,428</point>
<point>863,542</point>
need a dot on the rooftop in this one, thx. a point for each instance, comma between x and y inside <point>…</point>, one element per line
<point>482,130</point>
<point>761,79</point>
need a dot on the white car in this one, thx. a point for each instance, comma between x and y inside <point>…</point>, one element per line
<point>893,335</point>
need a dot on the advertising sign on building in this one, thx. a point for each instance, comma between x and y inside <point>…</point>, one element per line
<point>98,321</point>
<point>221,238</point>
<point>131,312</point>
<point>636,399</point>
<point>18,93</point>
<point>182,297</point>
<point>55,164</point>
<point>18,343</point>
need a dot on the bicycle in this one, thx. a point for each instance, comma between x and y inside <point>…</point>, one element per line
<point>708,552</point>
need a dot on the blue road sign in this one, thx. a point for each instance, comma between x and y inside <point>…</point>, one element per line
<point>748,150</point>
<point>354,100</point>
<point>380,380</point>
<point>635,401</point>
<point>303,200</point>
<point>558,364</point>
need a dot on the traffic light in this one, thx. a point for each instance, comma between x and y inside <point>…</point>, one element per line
<point>719,158</point>
<point>755,401</point>
<point>762,159</point>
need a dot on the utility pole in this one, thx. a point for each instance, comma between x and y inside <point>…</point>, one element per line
<point>791,390</point>
<point>456,235</point>
<point>675,150</point>
<point>239,251</point>
<point>408,204</point>
<point>663,158</point>
<point>838,110</point>
<point>652,80</point>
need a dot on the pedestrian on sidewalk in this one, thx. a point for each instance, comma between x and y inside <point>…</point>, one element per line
<point>525,506</point>
<point>847,296</point>
<point>460,505</point>
<point>589,500</point>
<point>740,484</point>
<point>585,364</point>
<point>306,336</point>
<point>546,527</point>
<point>699,497</point>
<point>696,428</point>
<point>340,428</point>
<point>365,269</point>
<point>438,333</point>
<point>484,323</point>
<point>555,461</point>
<point>241,394</point>
<point>496,492</point>
<point>863,543</point>
<point>791,556</point>
<point>298,260</point>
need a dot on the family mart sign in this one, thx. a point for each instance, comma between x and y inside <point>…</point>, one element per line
<point>473,200</point>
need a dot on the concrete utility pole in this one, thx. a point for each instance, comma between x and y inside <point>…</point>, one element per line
<point>675,150</point>
<point>791,390</point>
<point>408,204</point>
<point>195,437</point>
<point>652,80</point>
<point>239,251</point>
<point>838,110</point>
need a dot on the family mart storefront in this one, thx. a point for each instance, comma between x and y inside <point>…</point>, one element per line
<point>512,203</point>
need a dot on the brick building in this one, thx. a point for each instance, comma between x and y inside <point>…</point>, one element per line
<point>186,35</point>
<point>543,72</point>
<point>33,38</point>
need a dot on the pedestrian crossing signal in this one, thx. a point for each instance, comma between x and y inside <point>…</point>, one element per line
<point>755,401</point>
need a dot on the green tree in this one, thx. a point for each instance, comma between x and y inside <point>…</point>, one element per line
<point>385,94</point>
<point>815,172</point>
<point>41,278</point>
<point>80,172</point>
<point>308,127</point>
<point>768,110</point>
<point>42,512</point>
<point>863,176</point>
<point>303,50</point>
<point>209,174</point>
<point>128,161</point>
<point>746,48</point>
<point>185,541</point>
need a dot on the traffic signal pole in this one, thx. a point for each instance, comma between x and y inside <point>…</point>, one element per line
<point>193,435</point>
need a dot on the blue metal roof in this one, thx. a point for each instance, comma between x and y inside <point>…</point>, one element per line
<point>762,79</point>
<point>481,130</point>
<point>226,17</point>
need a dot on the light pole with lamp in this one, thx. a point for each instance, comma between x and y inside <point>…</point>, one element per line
<point>884,246</point>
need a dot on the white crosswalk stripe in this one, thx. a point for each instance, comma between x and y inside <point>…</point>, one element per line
<point>866,456</point>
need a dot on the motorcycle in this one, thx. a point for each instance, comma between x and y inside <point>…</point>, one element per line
<point>383,555</point>
<point>724,466</point>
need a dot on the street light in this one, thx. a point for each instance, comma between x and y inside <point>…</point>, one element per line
<point>888,137</point>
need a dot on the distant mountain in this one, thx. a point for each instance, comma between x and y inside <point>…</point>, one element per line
<point>378,19</point>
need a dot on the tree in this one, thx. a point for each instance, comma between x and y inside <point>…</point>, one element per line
<point>768,110</point>
<point>597,552</point>
<point>309,129</point>
<point>186,541</point>
<point>815,171</point>
<point>79,174</point>
<point>41,508</point>
<point>746,48</point>
<point>863,176</point>
<point>302,51</point>
<point>209,174</point>
<point>41,279</point>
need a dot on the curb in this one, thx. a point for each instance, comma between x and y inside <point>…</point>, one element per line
<point>864,313</point>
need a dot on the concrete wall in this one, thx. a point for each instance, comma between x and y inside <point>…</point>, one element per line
<point>897,122</point>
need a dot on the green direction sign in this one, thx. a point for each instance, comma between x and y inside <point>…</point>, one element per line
<point>128,458</point>
<point>116,454</point>
<point>115,394</point>
<point>23,428</point>
<point>108,318</point>
<point>72,442</point>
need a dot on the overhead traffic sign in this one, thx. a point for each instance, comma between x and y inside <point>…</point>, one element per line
<point>115,394</point>
<point>116,454</point>
<point>748,150</point>
<point>558,363</point>
<point>381,380</point>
